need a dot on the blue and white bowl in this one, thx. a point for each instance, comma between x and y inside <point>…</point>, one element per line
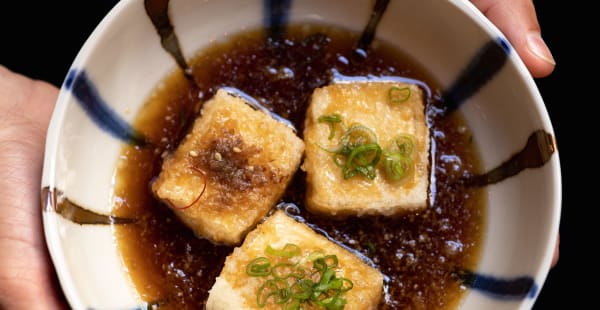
<point>123,61</point>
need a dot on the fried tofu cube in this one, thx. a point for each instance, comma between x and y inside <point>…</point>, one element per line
<point>234,288</point>
<point>230,170</point>
<point>369,104</point>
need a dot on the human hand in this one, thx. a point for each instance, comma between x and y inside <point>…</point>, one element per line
<point>27,277</point>
<point>518,21</point>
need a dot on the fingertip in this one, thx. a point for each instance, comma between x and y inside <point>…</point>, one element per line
<point>518,21</point>
<point>556,252</point>
<point>537,55</point>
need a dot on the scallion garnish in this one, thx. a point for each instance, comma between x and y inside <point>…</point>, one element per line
<point>331,119</point>
<point>405,144</point>
<point>357,135</point>
<point>288,284</point>
<point>396,166</point>
<point>398,159</point>
<point>398,95</point>
<point>273,287</point>
<point>259,267</point>
<point>359,153</point>
<point>286,270</point>
<point>289,250</point>
<point>362,159</point>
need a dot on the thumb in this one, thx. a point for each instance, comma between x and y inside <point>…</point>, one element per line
<point>518,21</point>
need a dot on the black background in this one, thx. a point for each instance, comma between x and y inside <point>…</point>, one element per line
<point>41,41</point>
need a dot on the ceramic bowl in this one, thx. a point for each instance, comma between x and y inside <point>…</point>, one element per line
<point>123,61</point>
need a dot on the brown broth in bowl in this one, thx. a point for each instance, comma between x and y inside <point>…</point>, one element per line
<point>420,254</point>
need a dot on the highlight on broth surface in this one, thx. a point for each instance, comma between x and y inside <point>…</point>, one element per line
<point>420,253</point>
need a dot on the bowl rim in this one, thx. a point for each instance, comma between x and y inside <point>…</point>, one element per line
<point>119,12</point>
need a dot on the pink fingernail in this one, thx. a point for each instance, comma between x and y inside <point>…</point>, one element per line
<point>538,47</point>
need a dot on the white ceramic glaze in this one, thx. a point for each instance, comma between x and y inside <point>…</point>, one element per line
<point>125,61</point>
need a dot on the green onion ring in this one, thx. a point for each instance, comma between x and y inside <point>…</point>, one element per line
<point>405,144</point>
<point>397,166</point>
<point>398,95</point>
<point>358,135</point>
<point>358,161</point>
<point>331,119</point>
<point>291,286</point>
<point>288,250</point>
<point>294,271</point>
<point>259,267</point>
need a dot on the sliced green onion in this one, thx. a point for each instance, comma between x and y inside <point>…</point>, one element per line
<point>336,284</point>
<point>325,262</point>
<point>293,305</point>
<point>286,270</point>
<point>334,151</point>
<point>320,265</point>
<point>398,95</point>
<point>398,159</point>
<point>259,267</point>
<point>359,152</point>
<point>331,261</point>
<point>288,284</point>
<point>315,255</point>
<point>279,289</point>
<point>302,290</point>
<point>362,159</point>
<point>346,285</point>
<point>357,135</point>
<point>334,302</point>
<point>324,283</point>
<point>331,119</point>
<point>405,144</point>
<point>288,250</point>
<point>283,295</point>
<point>397,166</point>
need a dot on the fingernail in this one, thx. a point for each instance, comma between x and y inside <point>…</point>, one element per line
<point>538,47</point>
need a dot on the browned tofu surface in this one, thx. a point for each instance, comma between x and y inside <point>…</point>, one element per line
<point>367,104</point>
<point>235,289</point>
<point>229,170</point>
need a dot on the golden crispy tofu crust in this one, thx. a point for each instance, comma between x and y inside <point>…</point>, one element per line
<point>234,289</point>
<point>237,160</point>
<point>368,104</point>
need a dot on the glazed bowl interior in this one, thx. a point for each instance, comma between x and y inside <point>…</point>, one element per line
<point>123,61</point>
